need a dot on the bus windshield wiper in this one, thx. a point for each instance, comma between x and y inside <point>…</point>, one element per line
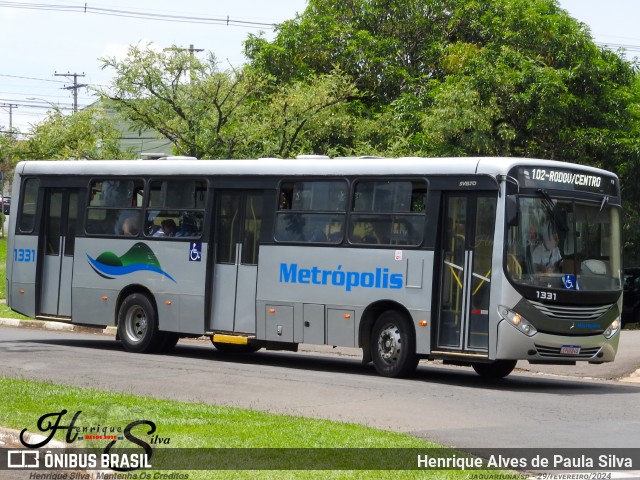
<point>548,203</point>
<point>605,201</point>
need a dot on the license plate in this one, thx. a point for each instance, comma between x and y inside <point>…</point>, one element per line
<point>570,350</point>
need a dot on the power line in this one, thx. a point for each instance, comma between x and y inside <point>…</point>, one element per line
<point>616,46</point>
<point>31,78</point>
<point>87,9</point>
<point>46,107</point>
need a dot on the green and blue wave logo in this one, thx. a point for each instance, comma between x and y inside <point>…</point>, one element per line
<point>139,258</point>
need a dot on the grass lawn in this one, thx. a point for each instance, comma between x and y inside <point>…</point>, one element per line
<point>196,425</point>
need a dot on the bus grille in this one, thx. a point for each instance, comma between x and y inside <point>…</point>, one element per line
<point>554,352</point>
<point>573,312</point>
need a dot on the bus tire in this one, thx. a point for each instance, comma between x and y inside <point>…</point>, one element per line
<point>168,342</point>
<point>393,345</point>
<point>138,324</point>
<point>497,369</point>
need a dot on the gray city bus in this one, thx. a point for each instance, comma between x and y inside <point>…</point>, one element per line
<point>471,261</point>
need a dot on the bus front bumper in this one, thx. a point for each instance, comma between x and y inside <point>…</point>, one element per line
<point>547,348</point>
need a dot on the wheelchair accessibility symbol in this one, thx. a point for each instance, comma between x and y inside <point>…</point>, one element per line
<point>569,282</point>
<point>195,251</point>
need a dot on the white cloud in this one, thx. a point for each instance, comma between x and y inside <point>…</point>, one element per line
<point>120,50</point>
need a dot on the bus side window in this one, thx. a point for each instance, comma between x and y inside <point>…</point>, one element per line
<point>28,203</point>
<point>175,208</point>
<point>311,212</point>
<point>112,204</point>
<point>388,213</point>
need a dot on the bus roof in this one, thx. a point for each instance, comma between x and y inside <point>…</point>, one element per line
<point>305,166</point>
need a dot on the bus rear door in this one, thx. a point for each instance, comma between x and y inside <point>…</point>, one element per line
<point>238,222</point>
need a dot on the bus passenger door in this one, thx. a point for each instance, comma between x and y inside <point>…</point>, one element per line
<point>60,218</point>
<point>466,255</point>
<point>238,220</point>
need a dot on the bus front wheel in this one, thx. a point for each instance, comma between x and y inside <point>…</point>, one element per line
<point>393,345</point>
<point>138,324</point>
<point>497,369</point>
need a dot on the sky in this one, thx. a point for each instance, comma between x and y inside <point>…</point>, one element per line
<point>41,42</point>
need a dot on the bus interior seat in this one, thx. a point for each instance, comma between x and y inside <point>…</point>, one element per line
<point>317,235</point>
<point>593,266</point>
<point>335,237</point>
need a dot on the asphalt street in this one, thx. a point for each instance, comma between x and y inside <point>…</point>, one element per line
<point>626,366</point>
<point>460,427</point>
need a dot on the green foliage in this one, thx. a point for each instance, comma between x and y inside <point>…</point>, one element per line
<point>188,101</point>
<point>196,425</point>
<point>208,113</point>
<point>460,77</point>
<point>469,77</point>
<point>88,134</point>
<point>304,116</point>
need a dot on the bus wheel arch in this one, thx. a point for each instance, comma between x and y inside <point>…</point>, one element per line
<point>137,321</point>
<point>388,338</point>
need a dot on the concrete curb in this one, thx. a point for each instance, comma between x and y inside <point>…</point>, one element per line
<point>10,438</point>
<point>63,327</point>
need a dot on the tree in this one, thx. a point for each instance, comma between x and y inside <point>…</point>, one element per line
<point>188,101</point>
<point>468,77</point>
<point>508,77</point>
<point>7,147</point>
<point>209,113</point>
<point>88,133</point>
<point>300,117</point>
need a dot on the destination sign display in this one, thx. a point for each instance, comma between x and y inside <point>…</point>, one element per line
<point>566,179</point>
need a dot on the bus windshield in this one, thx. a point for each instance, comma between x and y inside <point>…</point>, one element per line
<point>564,244</point>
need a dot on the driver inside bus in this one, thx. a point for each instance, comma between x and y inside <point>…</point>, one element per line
<point>546,257</point>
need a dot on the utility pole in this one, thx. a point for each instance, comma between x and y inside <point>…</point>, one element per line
<point>73,87</point>
<point>192,51</point>
<point>10,106</point>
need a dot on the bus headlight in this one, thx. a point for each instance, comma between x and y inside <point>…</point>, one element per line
<point>517,321</point>
<point>613,329</point>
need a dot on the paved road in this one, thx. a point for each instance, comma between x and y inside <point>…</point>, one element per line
<point>452,406</point>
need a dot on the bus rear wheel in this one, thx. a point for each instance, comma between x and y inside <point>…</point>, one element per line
<point>138,324</point>
<point>497,369</point>
<point>393,345</point>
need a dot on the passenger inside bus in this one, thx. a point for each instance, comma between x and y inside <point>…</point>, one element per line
<point>129,227</point>
<point>167,228</point>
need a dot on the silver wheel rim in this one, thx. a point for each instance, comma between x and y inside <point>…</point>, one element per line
<point>136,324</point>
<point>389,344</point>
